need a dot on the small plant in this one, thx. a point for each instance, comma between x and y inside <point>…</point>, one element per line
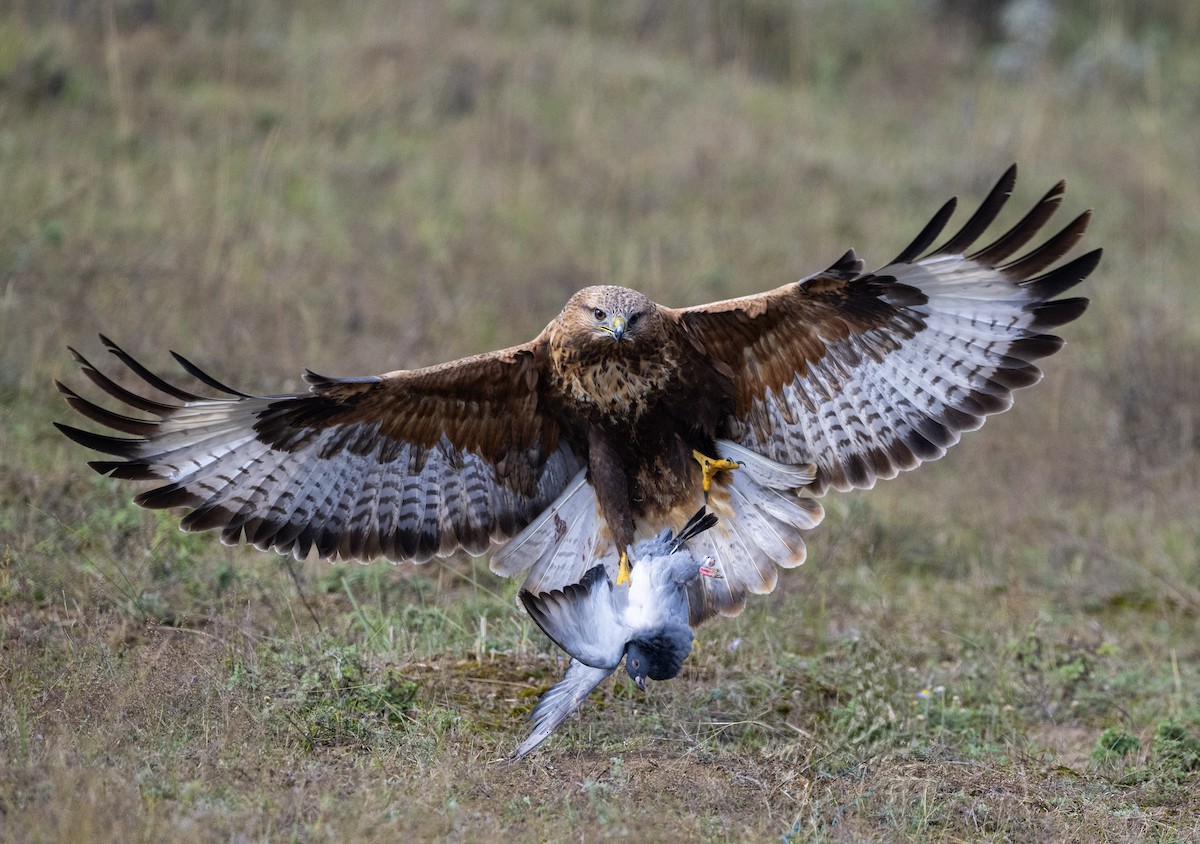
<point>339,700</point>
<point>1055,675</point>
<point>1114,744</point>
<point>1176,749</point>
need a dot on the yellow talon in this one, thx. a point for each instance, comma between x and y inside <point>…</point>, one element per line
<point>711,466</point>
<point>623,569</point>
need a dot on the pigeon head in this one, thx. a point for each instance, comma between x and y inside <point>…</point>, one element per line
<point>658,654</point>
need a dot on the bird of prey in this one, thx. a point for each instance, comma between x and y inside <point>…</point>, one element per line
<point>620,418</point>
<point>644,621</point>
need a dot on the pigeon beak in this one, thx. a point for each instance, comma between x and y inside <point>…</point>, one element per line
<point>641,683</point>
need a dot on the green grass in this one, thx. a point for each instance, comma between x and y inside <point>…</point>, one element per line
<point>1000,646</point>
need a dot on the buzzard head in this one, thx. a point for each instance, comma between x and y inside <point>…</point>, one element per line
<point>608,318</point>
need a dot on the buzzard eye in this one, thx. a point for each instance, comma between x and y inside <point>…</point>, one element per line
<point>633,318</point>
<point>599,314</point>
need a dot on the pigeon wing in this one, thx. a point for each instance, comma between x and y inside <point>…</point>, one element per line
<point>560,701</point>
<point>583,619</point>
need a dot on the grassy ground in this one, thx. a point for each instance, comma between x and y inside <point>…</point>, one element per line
<point>1001,646</point>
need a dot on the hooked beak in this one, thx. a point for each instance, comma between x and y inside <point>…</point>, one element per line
<point>617,327</point>
<point>641,683</point>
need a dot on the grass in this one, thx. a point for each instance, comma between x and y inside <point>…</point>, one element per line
<point>1000,646</point>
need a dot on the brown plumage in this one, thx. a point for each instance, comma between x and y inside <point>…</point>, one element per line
<point>578,442</point>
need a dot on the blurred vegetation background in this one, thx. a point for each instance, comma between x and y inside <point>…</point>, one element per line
<point>359,187</point>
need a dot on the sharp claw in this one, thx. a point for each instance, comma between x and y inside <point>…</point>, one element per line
<point>710,467</point>
<point>623,570</point>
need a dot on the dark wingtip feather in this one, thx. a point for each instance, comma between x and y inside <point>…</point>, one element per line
<point>1061,279</point>
<point>117,446</point>
<point>116,421</point>
<point>928,234</point>
<point>125,470</point>
<point>1016,374</point>
<point>1059,312</point>
<point>201,375</point>
<point>164,497</point>
<point>1043,256</point>
<point>1022,232</point>
<point>983,216</point>
<point>1036,347</point>
<point>117,391</point>
<point>146,375</point>
<point>205,517</point>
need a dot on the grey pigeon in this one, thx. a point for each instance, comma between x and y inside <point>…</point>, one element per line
<point>599,623</point>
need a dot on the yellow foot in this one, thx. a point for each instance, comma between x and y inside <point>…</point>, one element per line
<point>711,466</point>
<point>623,568</point>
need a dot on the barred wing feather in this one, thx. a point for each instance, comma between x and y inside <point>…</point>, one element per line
<point>407,465</point>
<point>865,375</point>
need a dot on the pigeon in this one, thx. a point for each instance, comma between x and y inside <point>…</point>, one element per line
<point>644,621</point>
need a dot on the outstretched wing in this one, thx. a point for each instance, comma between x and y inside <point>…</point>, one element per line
<point>561,700</point>
<point>406,465</point>
<point>867,374</point>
